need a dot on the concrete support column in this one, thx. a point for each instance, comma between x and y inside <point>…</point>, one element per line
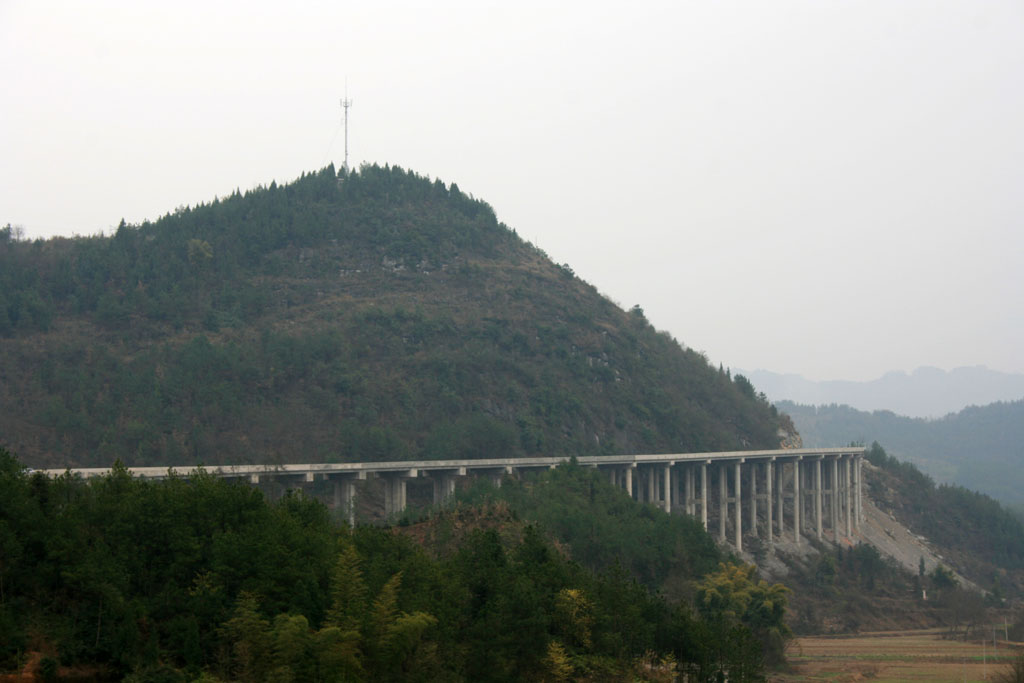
<point>344,500</point>
<point>394,495</point>
<point>859,471</point>
<point>752,468</point>
<point>797,501</point>
<point>444,487</point>
<point>704,495</point>
<point>739,509</point>
<point>389,494</point>
<point>817,497</point>
<point>666,487</point>
<point>629,480</point>
<point>349,496</point>
<point>834,500</point>
<point>780,492</point>
<point>682,497</point>
<point>723,499</point>
<point>611,476</point>
<point>688,487</point>
<point>677,496</point>
<point>769,474</point>
<point>496,477</point>
<point>846,494</point>
<point>652,484</point>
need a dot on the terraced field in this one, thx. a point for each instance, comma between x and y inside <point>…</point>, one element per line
<point>897,656</point>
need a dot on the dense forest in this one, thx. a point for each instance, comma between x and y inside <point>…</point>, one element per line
<point>378,315</point>
<point>196,578</point>
<point>979,447</point>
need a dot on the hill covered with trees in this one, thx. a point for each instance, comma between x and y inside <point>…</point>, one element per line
<point>375,316</point>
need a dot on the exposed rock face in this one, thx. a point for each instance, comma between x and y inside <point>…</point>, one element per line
<point>789,438</point>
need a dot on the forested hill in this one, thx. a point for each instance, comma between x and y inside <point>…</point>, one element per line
<point>377,316</point>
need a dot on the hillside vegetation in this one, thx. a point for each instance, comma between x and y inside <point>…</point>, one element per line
<point>201,579</point>
<point>376,316</point>
<point>980,537</point>
<point>980,447</point>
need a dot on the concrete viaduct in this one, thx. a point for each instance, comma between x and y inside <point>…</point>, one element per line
<point>774,495</point>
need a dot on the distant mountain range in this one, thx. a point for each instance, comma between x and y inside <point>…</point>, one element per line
<point>926,392</point>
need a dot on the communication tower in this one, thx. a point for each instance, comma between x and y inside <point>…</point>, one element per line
<point>345,104</point>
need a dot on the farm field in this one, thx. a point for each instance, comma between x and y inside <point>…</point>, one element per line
<point>895,656</point>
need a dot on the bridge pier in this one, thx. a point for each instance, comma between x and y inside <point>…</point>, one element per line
<point>817,498</point>
<point>833,498</point>
<point>737,489</point>
<point>858,473</point>
<point>395,491</point>
<point>797,501</point>
<point>752,507</point>
<point>704,494</point>
<point>780,496</point>
<point>666,486</point>
<point>443,483</point>
<point>678,486</point>
<point>344,496</point>
<point>723,499</point>
<point>769,475</point>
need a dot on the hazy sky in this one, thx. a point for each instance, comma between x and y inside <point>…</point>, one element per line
<point>829,188</point>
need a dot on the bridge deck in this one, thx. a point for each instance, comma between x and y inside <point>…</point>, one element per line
<point>160,472</point>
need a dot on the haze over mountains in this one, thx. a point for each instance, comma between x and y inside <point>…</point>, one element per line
<point>926,392</point>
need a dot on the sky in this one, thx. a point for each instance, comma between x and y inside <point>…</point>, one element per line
<point>834,189</point>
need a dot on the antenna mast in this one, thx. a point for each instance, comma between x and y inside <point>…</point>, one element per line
<point>345,104</point>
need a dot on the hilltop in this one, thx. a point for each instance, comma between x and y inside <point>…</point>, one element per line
<point>379,315</point>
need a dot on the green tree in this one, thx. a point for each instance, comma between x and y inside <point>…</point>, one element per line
<point>348,591</point>
<point>248,633</point>
<point>292,646</point>
<point>733,595</point>
<point>942,578</point>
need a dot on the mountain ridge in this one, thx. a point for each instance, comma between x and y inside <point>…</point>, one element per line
<point>926,392</point>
